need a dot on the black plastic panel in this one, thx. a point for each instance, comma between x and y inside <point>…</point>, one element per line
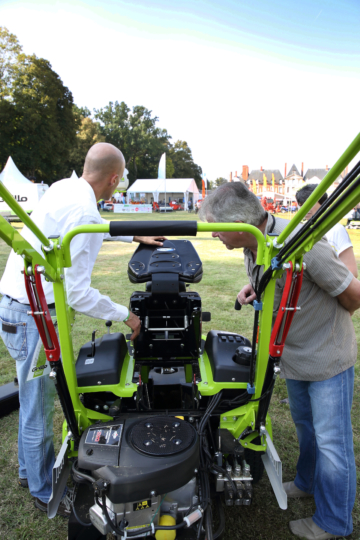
<point>9,398</point>
<point>105,366</point>
<point>174,257</point>
<point>220,348</point>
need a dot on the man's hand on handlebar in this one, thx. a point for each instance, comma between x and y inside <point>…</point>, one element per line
<point>134,323</point>
<point>151,240</point>
<point>246,295</point>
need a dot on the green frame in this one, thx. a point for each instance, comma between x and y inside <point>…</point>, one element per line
<point>57,257</point>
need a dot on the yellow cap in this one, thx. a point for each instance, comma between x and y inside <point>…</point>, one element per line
<point>166,521</point>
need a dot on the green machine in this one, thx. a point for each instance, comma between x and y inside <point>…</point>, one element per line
<point>156,429</point>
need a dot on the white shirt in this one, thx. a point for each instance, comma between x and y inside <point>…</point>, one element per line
<point>64,206</point>
<point>338,239</point>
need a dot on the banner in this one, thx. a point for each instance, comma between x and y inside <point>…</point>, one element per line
<point>203,189</point>
<point>273,182</point>
<point>265,182</point>
<point>132,208</point>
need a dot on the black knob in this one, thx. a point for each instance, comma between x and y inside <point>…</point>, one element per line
<point>108,324</point>
<point>242,355</point>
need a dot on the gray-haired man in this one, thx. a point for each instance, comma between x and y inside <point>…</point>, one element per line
<point>317,363</point>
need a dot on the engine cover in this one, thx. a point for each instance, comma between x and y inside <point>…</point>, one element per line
<point>138,456</point>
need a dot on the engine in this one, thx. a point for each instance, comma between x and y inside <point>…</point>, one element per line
<point>156,465</point>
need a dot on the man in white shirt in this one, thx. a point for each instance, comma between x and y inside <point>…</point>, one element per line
<point>337,237</point>
<point>64,206</point>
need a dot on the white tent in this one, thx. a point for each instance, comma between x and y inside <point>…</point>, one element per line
<point>25,192</point>
<point>172,187</point>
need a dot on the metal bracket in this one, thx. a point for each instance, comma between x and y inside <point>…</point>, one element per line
<point>276,245</point>
<point>273,468</point>
<point>48,248</point>
<point>60,474</point>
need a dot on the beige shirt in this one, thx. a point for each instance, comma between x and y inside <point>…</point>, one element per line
<point>321,342</point>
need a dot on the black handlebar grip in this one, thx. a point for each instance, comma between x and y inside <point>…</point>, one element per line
<point>153,228</point>
<point>237,305</point>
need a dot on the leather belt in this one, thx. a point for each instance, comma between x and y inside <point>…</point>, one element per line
<point>50,306</point>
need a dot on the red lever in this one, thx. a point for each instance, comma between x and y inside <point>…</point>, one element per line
<point>287,309</point>
<point>41,314</point>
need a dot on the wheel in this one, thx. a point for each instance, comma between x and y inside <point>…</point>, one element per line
<point>253,459</point>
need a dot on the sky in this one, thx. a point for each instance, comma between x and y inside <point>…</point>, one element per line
<point>244,82</point>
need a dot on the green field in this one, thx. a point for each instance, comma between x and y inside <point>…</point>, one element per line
<point>224,275</point>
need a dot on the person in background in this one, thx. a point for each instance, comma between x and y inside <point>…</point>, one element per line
<point>337,237</point>
<point>57,214</point>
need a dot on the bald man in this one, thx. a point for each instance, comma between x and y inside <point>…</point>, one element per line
<point>67,204</point>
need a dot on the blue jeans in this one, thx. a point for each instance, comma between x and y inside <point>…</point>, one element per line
<point>326,466</point>
<point>35,441</point>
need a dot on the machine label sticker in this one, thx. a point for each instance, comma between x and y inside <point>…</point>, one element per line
<point>142,505</point>
<point>165,249</point>
<point>89,361</point>
<point>40,367</point>
<point>109,435</point>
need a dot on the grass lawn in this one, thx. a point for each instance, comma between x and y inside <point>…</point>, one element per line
<point>224,275</point>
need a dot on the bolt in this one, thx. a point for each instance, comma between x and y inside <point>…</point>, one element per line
<point>205,382</point>
<point>224,418</point>
<point>50,355</point>
<point>153,493</point>
<point>234,418</point>
<point>52,375</point>
<point>195,471</point>
<point>278,352</point>
<point>105,484</point>
<point>61,276</point>
<point>127,384</point>
<point>246,444</point>
<point>58,246</point>
<point>99,382</point>
<point>233,379</point>
<point>191,419</point>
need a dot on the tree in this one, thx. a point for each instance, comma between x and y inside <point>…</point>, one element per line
<point>135,133</point>
<point>181,156</point>
<point>220,181</point>
<point>10,49</point>
<point>43,126</point>
<point>170,169</point>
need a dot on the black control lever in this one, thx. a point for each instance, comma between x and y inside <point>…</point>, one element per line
<point>237,305</point>
<point>108,324</point>
<point>93,343</point>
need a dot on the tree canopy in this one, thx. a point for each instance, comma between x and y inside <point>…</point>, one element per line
<point>48,135</point>
<point>181,157</point>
